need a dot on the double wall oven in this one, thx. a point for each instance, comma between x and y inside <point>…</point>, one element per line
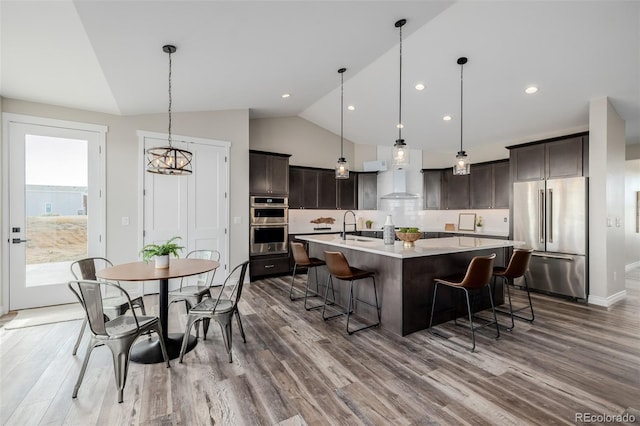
<point>268,229</point>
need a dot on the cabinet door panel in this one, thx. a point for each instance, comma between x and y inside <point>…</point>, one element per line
<point>279,168</point>
<point>367,191</point>
<point>347,192</point>
<point>481,186</point>
<point>530,163</point>
<point>258,177</point>
<point>501,185</point>
<point>432,189</point>
<point>456,189</point>
<point>310,189</point>
<point>326,189</point>
<point>564,158</point>
<point>296,188</point>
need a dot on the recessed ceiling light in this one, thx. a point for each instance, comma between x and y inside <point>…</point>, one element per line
<point>531,89</point>
<point>351,108</point>
<point>447,118</point>
<point>285,95</point>
<point>419,86</point>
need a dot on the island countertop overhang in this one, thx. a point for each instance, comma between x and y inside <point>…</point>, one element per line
<point>422,248</point>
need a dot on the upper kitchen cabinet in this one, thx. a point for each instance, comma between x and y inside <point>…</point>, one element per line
<point>269,173</point>
<point>489,185</point>
<point>303,188</point>
<point>432,188</point>
<point>327,189</point>
<point>553,158</point>
<point>347,192</point>
<point>455,190</point>
<point>367,190</point>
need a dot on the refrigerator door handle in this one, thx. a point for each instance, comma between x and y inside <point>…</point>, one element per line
<point>550,203</point>
<point>553,256</point>
<point>541,216</point>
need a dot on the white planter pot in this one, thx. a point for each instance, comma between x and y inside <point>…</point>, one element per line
<point>162,261</point>
<point>479,229</point>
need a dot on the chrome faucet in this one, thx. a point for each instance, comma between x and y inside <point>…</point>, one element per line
<point>344,223</point>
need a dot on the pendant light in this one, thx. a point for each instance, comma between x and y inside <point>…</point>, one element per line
<point>400,151</point>
<point>342,165</point>
<point>168,160</point>
<point>462,165</point>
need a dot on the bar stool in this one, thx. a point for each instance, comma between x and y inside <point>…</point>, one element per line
<point>477,277</point>
<point>302,259</point>
<point>517,267</point>
<point>339,268</point>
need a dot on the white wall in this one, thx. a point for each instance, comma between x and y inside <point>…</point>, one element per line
<point>632,237</point>
<point>123,166</point>
<point>606,203</point>
<point>309,144</point>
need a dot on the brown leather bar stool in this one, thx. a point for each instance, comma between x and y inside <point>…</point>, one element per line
<point>517,267</point>
<point>477,277</point>
<point>302,260</point>
<point>339,268</point>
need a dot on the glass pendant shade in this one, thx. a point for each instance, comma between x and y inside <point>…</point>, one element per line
<point>462,165</point>
<point>342,168</point>
<point>400,154</point>
<point>168,160</point>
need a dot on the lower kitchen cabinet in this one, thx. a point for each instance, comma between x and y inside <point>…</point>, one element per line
<point>264,266</point>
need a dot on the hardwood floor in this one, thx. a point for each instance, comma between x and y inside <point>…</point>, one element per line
<point>297,369</point>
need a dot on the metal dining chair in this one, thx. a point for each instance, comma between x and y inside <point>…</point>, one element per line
<point>117,334</point>
<point>85,269</point>
<point>192,294</point>
<point>477,277</point>
<point>221,309</point>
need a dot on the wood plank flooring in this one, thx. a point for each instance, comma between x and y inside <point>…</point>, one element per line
<point>297,369</point>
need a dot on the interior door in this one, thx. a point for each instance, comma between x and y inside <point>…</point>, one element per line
<point>194,207</point>
<point>55,209</point>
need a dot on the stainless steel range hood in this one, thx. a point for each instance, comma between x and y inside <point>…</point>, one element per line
<point>400,187</point>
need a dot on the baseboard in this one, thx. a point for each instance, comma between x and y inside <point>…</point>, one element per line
<point>607,301</point>
<point>631,266</point>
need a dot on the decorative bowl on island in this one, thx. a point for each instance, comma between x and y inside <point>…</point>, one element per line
<point>408,236</point>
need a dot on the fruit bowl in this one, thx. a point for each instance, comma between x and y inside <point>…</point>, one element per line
<point>408,238</point>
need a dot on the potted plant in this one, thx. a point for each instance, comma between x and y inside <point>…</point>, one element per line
<point>161,252</point>
<point>479,224</point>
<point>408,236</point>
<point>368,223</point>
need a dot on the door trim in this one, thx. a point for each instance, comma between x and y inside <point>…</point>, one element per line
<point>142,134</point>
<point>7,119</point>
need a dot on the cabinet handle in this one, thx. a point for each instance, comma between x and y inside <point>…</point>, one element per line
<point>269,266</point>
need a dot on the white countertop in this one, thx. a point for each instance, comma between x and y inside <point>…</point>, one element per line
<point>424,247</point>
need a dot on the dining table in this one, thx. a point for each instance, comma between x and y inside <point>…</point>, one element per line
<point>148,351</point>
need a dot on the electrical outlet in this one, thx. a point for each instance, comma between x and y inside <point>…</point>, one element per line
<point>505,220</point>
<point>125,220</point>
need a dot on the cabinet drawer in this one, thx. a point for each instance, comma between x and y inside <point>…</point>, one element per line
<point>269,266</point>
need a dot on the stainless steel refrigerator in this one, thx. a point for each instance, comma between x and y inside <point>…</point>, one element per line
<point>550,216</point>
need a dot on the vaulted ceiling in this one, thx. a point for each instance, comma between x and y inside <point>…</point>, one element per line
<point>107,56</point>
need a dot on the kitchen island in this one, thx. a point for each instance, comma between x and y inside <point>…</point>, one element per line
<point>405,275</point>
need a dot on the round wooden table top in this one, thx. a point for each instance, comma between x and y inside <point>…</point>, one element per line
<point>142,271</point>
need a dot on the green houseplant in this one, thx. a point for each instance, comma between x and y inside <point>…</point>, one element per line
<point>368,223</point>
<point>161,252</point>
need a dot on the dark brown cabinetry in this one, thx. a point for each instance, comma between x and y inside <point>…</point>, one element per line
<point>311,188</point>
<point>263,266</point>
<point>347,189</point>
<point>549,159</point>
<point>455,190</point>
<point>269,173</point>
<point>432,188</point>
<point>489,185</point>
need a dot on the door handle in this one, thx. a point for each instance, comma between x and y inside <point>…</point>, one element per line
<point>550,219</point>
<point>553,256</point>
<point>541,209</point>
<point>18,241</point>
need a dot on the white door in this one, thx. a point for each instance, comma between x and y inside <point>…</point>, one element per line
<point>193,207</point>
<point>56,214</point>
